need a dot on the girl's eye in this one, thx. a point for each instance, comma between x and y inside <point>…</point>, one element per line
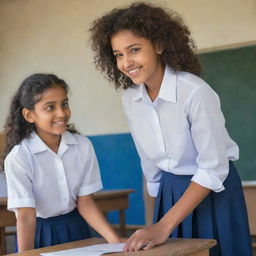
<point>50,107</point>
<point>65,104</point>
<point>118,55</point>
<point>134,50</point>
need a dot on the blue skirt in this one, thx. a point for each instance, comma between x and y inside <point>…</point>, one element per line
<point>221,216</point>
<point>61,229</point>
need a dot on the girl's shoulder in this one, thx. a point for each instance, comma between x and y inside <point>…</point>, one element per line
<point>81,140</point>
<point>191,80</point>
<point>192,85</point>
<point>23,148</point>
<point>20,153</point>
<point>131,92</point>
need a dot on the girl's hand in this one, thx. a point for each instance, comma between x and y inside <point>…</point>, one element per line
<point>114,239</point>
<point>158,233</point>
<point>147,238</point>
<point>95,218</point>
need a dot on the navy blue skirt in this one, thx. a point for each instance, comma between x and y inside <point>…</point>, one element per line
<point>221,216</point>
<point>61,229</point>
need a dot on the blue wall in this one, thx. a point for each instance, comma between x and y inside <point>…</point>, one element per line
<point>120,169</point>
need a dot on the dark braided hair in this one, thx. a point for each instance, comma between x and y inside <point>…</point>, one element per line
<point>148,21</point>
<point>28,94</point>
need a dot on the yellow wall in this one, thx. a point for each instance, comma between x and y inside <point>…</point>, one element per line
<point>52,36</point>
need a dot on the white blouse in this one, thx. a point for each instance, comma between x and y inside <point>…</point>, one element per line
<point>39,178</point>
<point>182,132</point>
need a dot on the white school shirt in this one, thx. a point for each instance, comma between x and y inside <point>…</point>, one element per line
<point>49,182</point>
<point>182,132</point>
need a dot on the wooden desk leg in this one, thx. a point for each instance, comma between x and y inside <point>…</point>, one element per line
<point>122,223</point>
<point>2,241</point>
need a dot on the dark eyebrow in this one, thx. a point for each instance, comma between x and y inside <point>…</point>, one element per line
<point>53,102</point>
<point>128,47</point>
<point>49,103</point>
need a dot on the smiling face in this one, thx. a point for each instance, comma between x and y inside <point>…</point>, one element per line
<point>137,58</point>
<point>50,114</point>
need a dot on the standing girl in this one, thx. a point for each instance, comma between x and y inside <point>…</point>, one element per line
<point>51,171</point>
<point>178,129</point>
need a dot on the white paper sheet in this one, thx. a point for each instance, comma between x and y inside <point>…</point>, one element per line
<point>93,250</point>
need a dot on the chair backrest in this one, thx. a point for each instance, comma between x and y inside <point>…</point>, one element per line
<point>7,218</point>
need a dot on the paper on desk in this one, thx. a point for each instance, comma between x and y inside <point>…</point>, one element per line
<point>93,250</point>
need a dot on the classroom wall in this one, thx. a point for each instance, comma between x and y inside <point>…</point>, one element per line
<point>52,36</point>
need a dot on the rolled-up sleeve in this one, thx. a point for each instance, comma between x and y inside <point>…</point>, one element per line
<point>19,182</point>
<point>208,133</point>
<point>153,188</point>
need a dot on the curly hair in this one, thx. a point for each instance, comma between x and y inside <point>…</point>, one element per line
<point>151,22</point>
<point>28,94</point>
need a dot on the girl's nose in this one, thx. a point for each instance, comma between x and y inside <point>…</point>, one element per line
<point>60,112</point>
<point>127,62</point>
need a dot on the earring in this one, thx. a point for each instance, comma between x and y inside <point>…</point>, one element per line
<point>159,51</point>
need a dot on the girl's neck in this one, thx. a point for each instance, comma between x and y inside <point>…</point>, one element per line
<point>52,141</point>
<point>54,146</point>
<point>153,92</point>
<point>153,87</point>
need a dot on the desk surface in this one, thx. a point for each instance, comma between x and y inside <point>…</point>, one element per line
<point>174,247</point>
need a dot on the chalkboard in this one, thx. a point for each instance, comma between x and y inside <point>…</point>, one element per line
<point>232,74</point>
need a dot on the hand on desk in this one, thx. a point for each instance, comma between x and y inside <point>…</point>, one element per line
<point>147,238</point>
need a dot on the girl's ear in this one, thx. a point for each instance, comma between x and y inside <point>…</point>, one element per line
<point>159,48</point>
<point>28,116</point>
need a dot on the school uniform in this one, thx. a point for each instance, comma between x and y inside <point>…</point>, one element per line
<point>181,137</point>
<point>50,182</point>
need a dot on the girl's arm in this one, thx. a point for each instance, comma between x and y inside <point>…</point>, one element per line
<point>26,224</point>
<point>91,213</point>
<point>158,233</point>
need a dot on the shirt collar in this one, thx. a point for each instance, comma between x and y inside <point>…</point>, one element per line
<point>37,145</point>
<point>138,92</point>
<point>168,89</point>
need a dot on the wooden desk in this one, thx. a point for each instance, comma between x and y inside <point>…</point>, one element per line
<point>173,247</point>
<point>108,200</point>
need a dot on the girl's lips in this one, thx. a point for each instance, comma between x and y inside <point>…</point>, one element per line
<point>60,122</point>
<point>133,71</point>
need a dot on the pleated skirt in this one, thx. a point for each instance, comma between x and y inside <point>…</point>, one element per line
<point>61,229</point>
<point>221,216</point>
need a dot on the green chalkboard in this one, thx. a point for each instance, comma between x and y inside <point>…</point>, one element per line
<point>232,74</point>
